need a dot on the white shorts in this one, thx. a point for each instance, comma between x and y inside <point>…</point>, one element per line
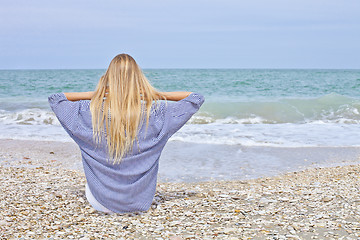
<point>93,202</point>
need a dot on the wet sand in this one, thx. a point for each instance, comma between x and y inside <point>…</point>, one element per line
<point>191,162</point>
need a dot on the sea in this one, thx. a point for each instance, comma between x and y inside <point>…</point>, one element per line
<point>254,122</point>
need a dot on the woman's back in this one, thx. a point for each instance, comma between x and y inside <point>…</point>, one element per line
<point>130,185</point>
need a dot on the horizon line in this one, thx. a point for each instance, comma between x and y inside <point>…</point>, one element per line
<point>182,68</point>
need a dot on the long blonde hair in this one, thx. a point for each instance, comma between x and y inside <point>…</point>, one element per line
<point>120,105</point>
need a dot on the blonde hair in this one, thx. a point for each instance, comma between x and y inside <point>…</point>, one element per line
<point>121,103</point>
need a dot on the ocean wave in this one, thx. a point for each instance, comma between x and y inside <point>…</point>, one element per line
<point>33,116</point>
<point>259,120</point>
<point>331,108</point>
<point>271,135</point>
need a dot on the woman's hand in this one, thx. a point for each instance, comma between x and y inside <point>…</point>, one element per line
<point>76,96</point>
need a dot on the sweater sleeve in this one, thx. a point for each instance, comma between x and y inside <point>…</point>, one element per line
<point>66,111</point>
<point>178,113</point>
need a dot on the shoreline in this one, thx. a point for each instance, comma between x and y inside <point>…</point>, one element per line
<point>42,199</point>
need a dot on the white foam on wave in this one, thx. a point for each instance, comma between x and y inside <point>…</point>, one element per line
<point>325,118</point>
<point>208,118</point>
<point>272,135</point>
<point>33,116</point>
<point>34,132</point>
<point>250,120</point>
<point>37,124</point>
<point>345,114</point>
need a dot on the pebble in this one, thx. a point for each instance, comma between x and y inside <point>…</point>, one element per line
<point>229,230</point>
<point>327,199</point>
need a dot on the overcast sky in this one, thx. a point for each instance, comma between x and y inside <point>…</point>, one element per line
<point>44,34</point>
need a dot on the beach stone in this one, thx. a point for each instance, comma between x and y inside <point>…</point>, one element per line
<point>289,236</point>
<point>224,195</point>
<point>291,230</point>
<point>229,230</point>
<point>236,197</point>
<point>263,201</point>
<point>284,199</point>
<point>3,222</point>
<point>327,199</point>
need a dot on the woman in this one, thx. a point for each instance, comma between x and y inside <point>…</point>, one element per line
<point>121,132</point>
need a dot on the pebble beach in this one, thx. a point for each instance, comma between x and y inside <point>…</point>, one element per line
<point>42,199</point>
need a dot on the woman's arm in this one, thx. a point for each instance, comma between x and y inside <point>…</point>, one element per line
<point>76,96</point>
<point>171,96</point>
<point>174,96</point>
